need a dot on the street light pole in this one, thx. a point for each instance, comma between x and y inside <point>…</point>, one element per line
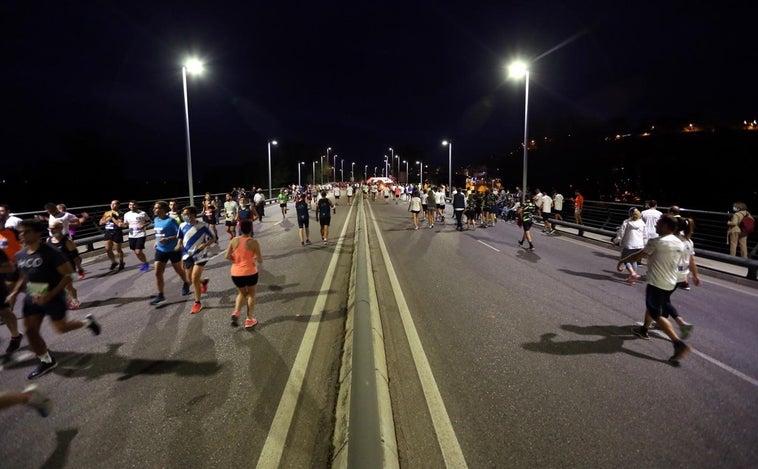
<point>392,153</point>
<point>194,66</point>
<point>270,142</point>
<point>449,165</point>
<point>328,149</point>
<point>342,170</point>
<point>421,175</point>
<point>406,171</point>
<point>365,173</point>
<point>299,163</point>
<point>517,70</point>
<point>321,165</point>
<point>314,174</point>
<point>334,168</point>
<point>352,171</point>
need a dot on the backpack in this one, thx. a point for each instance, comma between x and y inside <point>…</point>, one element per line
<point>747,225</point>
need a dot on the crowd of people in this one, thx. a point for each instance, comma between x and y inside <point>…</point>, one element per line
<point>39,259</point>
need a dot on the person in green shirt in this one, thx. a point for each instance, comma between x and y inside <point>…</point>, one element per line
<point>282,199</point>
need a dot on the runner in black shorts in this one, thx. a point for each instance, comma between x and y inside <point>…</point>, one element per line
<point>111,221</point>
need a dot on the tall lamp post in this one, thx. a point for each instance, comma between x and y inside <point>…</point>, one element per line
<point>386,166</point>
<point>271,142</point>
<point>299,163</point>
<point>420,175</point>
<point>321,165</point>
<point>334,168</point>
<point>519,69</point>
<point>375,168</point>
<point>392,155</point>
<point>328,149</point>
<point>449,165</point>
<point>406,171</point>
<point>352,171</point>
<point>194,67</point>
<point>365,173</point>
<point>314,174</point>
<point>342,170</point>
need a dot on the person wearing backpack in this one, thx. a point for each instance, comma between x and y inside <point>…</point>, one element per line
<point>741,224</point>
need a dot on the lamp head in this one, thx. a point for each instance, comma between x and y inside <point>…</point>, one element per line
<point>194,66</point>
<point>273,142</point>
<point>517,69</point>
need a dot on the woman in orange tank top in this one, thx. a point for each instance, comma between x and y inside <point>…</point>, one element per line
<point>244,251</point>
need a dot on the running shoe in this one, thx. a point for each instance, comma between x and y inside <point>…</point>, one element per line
<point>73,303</point>
<point>307,241</point>
<point>196,307</point>
<point>92,324</point>
<point>204,285</point>
<point>686,331</point>
<point>42,368</point>
<point>680,351</point>
<point>640,332</point>
<point>521,242</point>
<point>235,318</point>
<point>81,274</point>
<point>113,265</point>
<point>121,266</point>
<point>249,323</point>
<point>159,298</point>
<point>185,289</point>
<point>38,400</point>
<point>14,344</point>
<point>145,267</point>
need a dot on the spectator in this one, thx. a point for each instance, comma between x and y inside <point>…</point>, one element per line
<point>735,235</point>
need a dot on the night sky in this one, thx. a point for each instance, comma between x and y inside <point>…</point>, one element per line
<point>86,82</point>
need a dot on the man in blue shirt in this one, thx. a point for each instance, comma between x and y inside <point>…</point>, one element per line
<point>166,242</point>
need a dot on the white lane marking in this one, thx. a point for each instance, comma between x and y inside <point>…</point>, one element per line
<point>273,448</point>
<point>491,247</point>
<point>719,364</point>
<point>451,449</point>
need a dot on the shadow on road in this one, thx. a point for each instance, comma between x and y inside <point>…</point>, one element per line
<point>611,340</point>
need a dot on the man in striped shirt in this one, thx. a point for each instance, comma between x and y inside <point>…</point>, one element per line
<point>194,239</point>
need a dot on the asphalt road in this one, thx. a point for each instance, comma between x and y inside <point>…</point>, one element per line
<point>534,362</point>
<point>497,357</point>
<point>163,388</point>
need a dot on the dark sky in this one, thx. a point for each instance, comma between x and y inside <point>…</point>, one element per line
<point>104,77</point>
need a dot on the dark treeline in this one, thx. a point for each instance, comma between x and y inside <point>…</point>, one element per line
<point>706,170</point>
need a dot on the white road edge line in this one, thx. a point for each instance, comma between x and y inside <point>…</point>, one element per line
<point>491,247</point>
<point>448,441</point>
<point>272,450</point>
<point>719,364</point>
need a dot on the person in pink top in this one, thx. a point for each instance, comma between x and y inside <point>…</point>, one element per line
<point>244,251</point>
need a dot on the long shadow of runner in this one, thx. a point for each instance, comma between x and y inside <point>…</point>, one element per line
<point>611,341</point>
<point>94,365</point>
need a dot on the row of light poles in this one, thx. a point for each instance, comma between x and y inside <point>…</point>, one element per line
<point>516,70</point>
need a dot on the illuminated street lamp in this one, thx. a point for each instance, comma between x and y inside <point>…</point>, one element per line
<point>352,171</point>
<point>314,174</point>
<point>517,70</point>
<point>392,157</point>
<point>386,167</point>
<point>406,171</point>
<point>342,170</point>
<point>449,165</point>
<point>194,67</point>
<point>270,142</point>
<point>299,163</point>
<point>365,173</point>
<point>328,149</point>
<point>375,168</point>
<point>420,175</point>
<point>334,168</point>
<point>321,179</point>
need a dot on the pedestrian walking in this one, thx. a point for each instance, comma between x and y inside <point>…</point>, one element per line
<point>664,254</point>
